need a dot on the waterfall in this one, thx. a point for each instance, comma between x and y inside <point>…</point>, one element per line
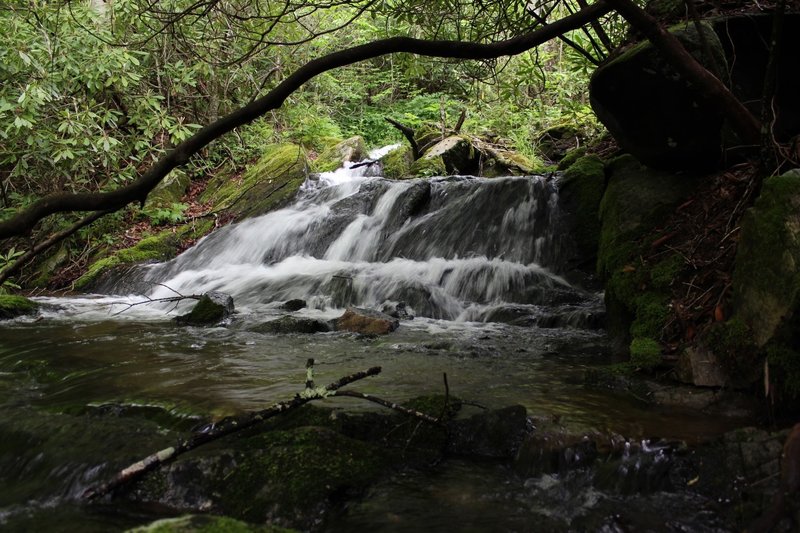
<point>455,248</point>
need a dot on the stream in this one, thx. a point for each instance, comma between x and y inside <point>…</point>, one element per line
<point>94,383</point>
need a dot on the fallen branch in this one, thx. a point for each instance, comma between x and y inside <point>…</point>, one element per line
<point>408,133</point>
<point>220,429</point>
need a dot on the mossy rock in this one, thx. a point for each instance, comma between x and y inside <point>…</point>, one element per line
<point>268,184</point>
<point>12,306</point>
<point>205,524</point>
<point>635,200</point>
<point>287,477</point>
<point>452,155</point>
<point>334,156</point>
<point>766,286</point>
<point>160,247</point>
<point>580,191</point>
<point>766,280</point>
<point>170,190</point>
<point>397,163</point>
<point>292,324</point>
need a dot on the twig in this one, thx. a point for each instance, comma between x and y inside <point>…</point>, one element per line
<point>215,431</point>
<point>391,405</point>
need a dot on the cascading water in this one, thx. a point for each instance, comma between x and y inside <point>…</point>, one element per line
<point>457,248</point>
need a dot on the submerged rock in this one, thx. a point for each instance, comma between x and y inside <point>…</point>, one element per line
<point>366,321</point>
<point>212,308</point>
<point>397,310</point>
<point>205,524</point>
<point>495,434</point>
<point>292,324</point>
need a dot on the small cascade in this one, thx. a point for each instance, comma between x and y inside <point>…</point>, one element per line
<point>456,248</point>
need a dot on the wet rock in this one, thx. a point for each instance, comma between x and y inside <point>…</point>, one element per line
<point>291,324</point>
<point>452,155</point>
<point>580,190</point>
<point>495,434</point>
<point>366,321</point>
<point>212,308</point>
<point>397,163</point>
<point>396,310</point>
<point>294,305</point>
<point>13,306</point>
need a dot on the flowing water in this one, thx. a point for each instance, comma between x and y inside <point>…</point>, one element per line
<point>95,382</point>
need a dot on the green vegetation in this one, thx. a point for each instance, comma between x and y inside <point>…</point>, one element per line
<point>14,306</point>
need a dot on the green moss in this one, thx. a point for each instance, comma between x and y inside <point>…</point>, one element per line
<point>645,352</point>
<point>428,167</point>
<point>295,470</point>
<point>13,306</point>
<point>397,163</point>
<point>268,184</point>
<point>160,247</point>
<point>766,278</point>
<point>664,273</point>
<point>205,524</point>
<point>651,314</point>
<point>732,343</point>
<point>205,312</point>
<point>571,157</point>
<point>333,156</point>
<point>581,188</point>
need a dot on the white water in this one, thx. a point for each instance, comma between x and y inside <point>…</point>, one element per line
<point>457,248</point>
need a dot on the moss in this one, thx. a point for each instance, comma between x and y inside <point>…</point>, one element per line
<point>13,306</point>
<point>427,167</point>
<point>160,247</point>
<point>297,470</point>
<point>581,188</point>
<point>333,156</point>
<point>268,184</point>
<point>205,524</point>
<point>766,278</point>
<point>205,312</point>
<point>784,364</point>
<point>664,273</point>
<point>645,352</point>
<point>651,314</point>
<point>732,343</point>
<point>571,156</point>
<point>397,163</point>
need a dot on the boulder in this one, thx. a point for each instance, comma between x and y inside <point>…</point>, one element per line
<point>700,367</point>
<point>348,150</point>
<point>397,163</point>
<point>170,190</point>
<point>653,112</point>
<point>292,324</point>
<point>452,155</point>
<point>366,321</point>
<point>270,183</point>
<point>212,308</point>
<point>554,143</point>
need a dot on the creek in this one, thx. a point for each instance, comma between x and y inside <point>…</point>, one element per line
<point>94,383</point>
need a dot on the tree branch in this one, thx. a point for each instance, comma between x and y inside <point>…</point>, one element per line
<point>137,191</point>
